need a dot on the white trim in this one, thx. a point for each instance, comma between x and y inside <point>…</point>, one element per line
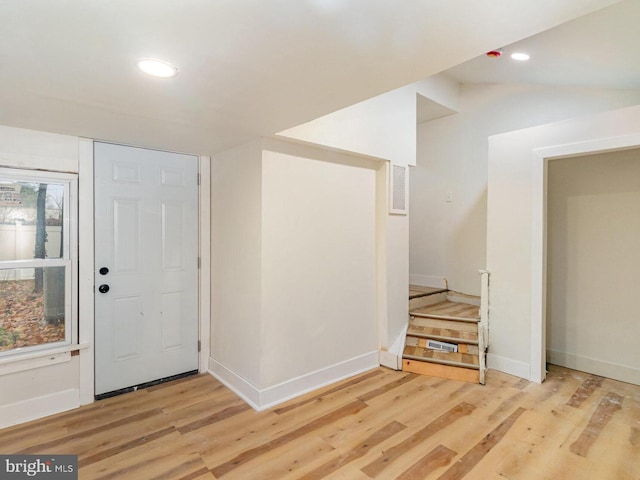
<point>540,159</point>
<point>615,371</point>
<point>34,362</point>
<point>69,260</point>
<point>428,281</point>
<point>393,357</point>
<point>538,269</point>
<point>38,407</point>
<point>204,169</point>
<point>85,269</point>
<point>234,382</point>
<point>38,358</point>
<point>508,365</point>
<point>262,399</point>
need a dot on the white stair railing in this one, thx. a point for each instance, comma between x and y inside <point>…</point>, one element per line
<point>483,326</point>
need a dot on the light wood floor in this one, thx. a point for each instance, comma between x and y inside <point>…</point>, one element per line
<point>382,424</point>
<point>451,309</point>
<point>419,291</point>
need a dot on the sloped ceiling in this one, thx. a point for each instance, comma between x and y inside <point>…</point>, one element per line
<point>596,50</point>
<point>247,67</point>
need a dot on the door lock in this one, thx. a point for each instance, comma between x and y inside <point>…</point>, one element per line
<point>104,288</point>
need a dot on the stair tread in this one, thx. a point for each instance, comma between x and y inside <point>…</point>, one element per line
<point>465,360</point>
<point>443,334</point>
<point>450,310</point>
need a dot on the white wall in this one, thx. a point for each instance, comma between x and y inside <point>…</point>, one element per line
<point>302,239</point>
<point>593,263</point>
<point>515,227</point>
<point>41,386</point>
<point>448,240</point>
<point>382,127</point>
<point>236,242</point>
<point>319,265</point>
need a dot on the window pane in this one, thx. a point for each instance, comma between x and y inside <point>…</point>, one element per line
<point>32,310</point>
<point>31,217</point>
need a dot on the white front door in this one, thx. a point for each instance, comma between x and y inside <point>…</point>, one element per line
<point>146,265</point>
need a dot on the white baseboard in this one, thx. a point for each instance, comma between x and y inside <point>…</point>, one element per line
<point>428,281</point>
<point>595,366</point>
<point>508,365</point>
<point>241,387</point>
<point>393,357</point>
<point>262,399</point>
<point>39,407</point>
<point>388,359</point>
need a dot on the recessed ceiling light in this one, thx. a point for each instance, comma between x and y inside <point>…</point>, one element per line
<point>521,57</point>
<point>157,68</point>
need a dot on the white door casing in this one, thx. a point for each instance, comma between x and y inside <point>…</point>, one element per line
<point>146,235</point>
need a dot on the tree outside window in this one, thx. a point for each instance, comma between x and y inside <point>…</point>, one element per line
<point>35,264</point>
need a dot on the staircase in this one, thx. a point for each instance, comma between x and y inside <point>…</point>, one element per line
<point>444,337</point>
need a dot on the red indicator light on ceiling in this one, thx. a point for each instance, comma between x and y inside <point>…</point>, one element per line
<point>494,53</point>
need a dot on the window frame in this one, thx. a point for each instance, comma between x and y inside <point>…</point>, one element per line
<point>69,259</point>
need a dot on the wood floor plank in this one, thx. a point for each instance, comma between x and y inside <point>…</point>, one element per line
<point>215,417</point>
<point>182,431</point>
<point>313,398</point>
<point>386,388</point>
<point>123,447</point>
<point>358,451</point>
<point>610,404</point>
<point>463,466</point>
<point>375,468</point>
<point>439,457</point>
<point>164,458</point>
<point>521,384</point>
<point>285,463</point>
<point>45,446</point>
<point>349,409</point>
<point>591,384</point>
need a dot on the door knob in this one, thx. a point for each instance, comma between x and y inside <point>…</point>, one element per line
<point>104,288</point>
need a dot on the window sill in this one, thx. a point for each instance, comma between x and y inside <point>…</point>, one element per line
<point>39,358</point>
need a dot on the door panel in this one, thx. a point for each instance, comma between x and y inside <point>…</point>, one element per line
<point>146,234</point>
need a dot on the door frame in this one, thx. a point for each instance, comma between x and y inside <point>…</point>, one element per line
<point>86,297</point>
<point>540,160</point>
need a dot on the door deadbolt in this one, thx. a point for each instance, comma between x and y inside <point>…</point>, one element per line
<point>103,271</point>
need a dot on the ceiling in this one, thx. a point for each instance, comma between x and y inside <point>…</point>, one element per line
<point>247,67</point>
<point>596,50</point>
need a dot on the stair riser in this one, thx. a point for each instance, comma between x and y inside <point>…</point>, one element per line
<point>442,371</point>
<point>443,334</point>
<point>427,300</point>
<point>422,342</point>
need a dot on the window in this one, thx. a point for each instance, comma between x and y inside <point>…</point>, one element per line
<point>36,257</point>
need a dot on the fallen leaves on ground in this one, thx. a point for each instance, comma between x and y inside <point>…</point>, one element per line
<point>22,320</point>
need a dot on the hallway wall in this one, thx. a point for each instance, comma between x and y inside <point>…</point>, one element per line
<point>593,264</point>
<point>448,239</point>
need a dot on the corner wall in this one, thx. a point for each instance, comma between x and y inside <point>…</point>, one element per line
<point>516,228</point>
<point>36,387</point>
<point>236,256</point>
<point>302,224</point>
<point>448,239</point>
<point>593,263</point>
